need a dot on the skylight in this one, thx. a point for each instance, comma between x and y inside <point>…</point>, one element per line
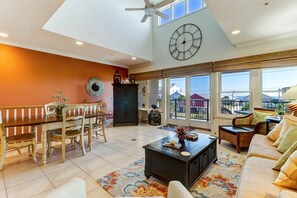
<point>179,9</point>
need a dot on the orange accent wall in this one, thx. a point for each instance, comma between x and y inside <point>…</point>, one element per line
<point>31,77</point>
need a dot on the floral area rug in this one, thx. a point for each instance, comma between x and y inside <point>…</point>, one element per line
<point>221,179</point>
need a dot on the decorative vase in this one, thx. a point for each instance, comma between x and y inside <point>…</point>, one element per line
<point>59,111</point>
<point>181,138</point>
<point>181,141</point>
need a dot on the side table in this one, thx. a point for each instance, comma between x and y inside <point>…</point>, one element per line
<point>271,119</point>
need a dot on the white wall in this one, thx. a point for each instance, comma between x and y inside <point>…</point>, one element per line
<point>215,45</point>
<point>105,24</point>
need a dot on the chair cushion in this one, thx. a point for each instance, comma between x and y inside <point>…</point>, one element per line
<point>288,121</point>
<point>282,160</point>
<point>274,133</point>
<point>287,194</point>
<point>256,179</point>
<point>288,174</point>
<point>260,116</point>
<point>289,138</point>
<point>27,137</point>
<point>262,147</point>
<point>57,133</point>
<point>261,140</point>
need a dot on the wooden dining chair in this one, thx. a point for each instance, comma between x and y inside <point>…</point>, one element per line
<point>50,108</point>
<point>72,127</point>
<point>16,142</point>
<point>98,126</point>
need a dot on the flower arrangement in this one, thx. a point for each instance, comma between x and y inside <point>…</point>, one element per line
<point>181,132</point>
<point>60,99</point>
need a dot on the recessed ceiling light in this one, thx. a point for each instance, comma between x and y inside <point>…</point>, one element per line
<point>3,34</point>
<point>79,43</point>
<point>133,58</point>
<point>236,32</point>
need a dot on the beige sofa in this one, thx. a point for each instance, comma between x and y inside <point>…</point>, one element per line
<point>257,175</point>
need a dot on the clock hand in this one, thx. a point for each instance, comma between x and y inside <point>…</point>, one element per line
<point>181,43</point>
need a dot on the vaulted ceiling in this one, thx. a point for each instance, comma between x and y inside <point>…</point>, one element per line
<point>113,36</point>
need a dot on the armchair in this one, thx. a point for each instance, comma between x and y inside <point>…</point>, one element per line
<point>243,128</point>
<point>255,120</point>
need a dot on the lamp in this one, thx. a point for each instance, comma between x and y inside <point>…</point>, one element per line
<point>291,94</point>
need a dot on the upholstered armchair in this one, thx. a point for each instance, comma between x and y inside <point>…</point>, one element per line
<point>255,120</point>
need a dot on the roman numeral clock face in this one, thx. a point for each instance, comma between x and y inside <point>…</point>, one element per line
<point>185,42</point>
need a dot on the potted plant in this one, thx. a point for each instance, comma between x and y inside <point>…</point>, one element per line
<point>61,101</point>
<point>181,133</point>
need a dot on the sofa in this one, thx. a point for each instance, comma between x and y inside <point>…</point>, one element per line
<point>258,176</point>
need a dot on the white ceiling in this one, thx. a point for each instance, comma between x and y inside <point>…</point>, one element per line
<point>258,23</point>
<point>24,22</point>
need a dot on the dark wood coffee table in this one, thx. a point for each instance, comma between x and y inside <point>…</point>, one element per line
<point>167,164</point>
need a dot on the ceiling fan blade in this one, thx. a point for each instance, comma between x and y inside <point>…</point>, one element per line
<point>134,9</point>
<point>147,3</point>
<point>144,18</point>
<point>163,3</point>
<point>160,14</point>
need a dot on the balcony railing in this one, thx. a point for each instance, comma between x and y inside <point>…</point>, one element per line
<point>200,108</point>
<point>243,107</point>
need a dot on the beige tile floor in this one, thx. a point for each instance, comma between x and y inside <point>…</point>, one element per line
<point>21,177</point>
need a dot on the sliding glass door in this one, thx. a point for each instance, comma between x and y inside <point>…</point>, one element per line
<point>189,101</point>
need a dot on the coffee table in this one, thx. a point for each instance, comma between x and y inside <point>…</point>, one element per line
<point>167,164</point>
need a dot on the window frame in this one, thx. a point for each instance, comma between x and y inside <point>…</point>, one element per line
<point>219,88</point>
<point>171,6</point>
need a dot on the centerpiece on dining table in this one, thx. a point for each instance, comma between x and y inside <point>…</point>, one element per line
<point>61,102</point>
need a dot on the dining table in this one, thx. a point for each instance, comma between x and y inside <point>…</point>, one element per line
<point>50,122</point>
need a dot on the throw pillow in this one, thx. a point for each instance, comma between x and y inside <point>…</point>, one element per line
<point>259,117</point>
<point>288,121</point>
<point>289,138</point>
<point>288,174</point>
<point>274,133</point>
<point>282,160</point>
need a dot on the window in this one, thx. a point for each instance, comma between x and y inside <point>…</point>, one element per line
<point>235,98</point>
<point>180,8</point>
<point>168,13</point>
<point>194,5</point>
<point>200,92</point>
<point>273,87</point>
<point>177,98</point>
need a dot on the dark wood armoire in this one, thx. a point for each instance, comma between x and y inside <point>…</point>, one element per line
<point>125,104</point>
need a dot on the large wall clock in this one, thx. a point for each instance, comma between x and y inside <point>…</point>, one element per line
<point>185,42</point>
<point>94,87</point>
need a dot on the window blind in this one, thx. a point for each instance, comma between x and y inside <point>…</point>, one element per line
<point>188,70</point>
<point>275,59</point>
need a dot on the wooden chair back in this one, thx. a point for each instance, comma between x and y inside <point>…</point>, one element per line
<point>101,107</point>
<point>73,118</point>
<point>50,108</point>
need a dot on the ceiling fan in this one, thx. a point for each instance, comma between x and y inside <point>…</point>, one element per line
<point>150,9</point>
